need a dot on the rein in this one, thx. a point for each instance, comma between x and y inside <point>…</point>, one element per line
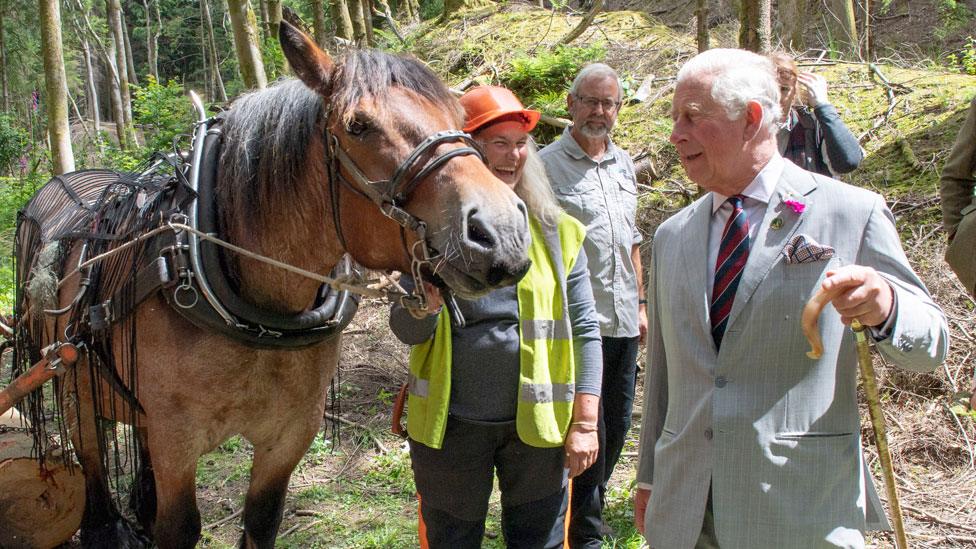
<point>390,195</point>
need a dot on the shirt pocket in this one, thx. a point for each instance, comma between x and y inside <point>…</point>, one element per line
<point>583,200</point>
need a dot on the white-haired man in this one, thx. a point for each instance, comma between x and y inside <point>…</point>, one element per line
<point>595,182</point>
<point>745,441</point>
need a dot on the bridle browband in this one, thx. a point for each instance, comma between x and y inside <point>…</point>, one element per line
<point>390,195</point>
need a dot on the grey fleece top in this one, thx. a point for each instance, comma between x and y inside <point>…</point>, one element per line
<point>485,353</point>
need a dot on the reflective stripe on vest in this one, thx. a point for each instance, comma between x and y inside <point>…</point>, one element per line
<point>547,392</point>
<point>546,329</point>
<point>418,387</point>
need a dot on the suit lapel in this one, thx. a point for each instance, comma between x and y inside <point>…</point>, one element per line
<point>767,249</point>
<point>695,262</point>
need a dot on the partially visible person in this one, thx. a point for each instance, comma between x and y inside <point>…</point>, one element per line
<point>812,135</point>
<point>745,440</point>
<point>515,392</point>
<point>596,183</point>
<point>958,191</point>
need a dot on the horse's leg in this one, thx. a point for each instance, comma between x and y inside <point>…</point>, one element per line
<point>142,501</point>
<point>174,470</point>
<point>274,461</point>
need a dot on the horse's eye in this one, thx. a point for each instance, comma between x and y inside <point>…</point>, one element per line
<point>357,127</point>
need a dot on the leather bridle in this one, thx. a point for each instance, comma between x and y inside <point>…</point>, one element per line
<point>390,195</point>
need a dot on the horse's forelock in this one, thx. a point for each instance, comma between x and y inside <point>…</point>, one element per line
<point>370,73</point>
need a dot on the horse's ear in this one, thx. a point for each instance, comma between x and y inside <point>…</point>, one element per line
<point>312,65</point>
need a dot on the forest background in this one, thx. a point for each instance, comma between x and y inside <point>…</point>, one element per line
<point>104,84</point>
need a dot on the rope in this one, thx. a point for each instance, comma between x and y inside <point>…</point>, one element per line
<point>176,227</point>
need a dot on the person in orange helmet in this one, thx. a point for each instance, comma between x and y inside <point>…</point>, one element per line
<point>514,393</point>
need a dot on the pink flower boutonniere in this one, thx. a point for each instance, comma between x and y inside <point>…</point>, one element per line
<point>795,205</point>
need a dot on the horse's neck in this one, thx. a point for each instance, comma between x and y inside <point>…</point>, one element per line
<point>300,237</point>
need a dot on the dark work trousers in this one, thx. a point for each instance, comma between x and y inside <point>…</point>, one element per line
<point>616,404</point>
<point>454,485</point>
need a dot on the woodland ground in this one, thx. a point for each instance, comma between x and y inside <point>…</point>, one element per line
<point>357,490</point>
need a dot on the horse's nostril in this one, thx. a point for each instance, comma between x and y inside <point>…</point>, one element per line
<point>479,234</point>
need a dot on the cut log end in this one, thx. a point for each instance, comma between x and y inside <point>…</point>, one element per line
<point>31,495</point>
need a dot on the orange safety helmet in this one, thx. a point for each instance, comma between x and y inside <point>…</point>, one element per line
<point>486,104</point>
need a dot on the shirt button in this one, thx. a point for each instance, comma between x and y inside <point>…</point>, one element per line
<point>720,381</point>
<point>708,434</point>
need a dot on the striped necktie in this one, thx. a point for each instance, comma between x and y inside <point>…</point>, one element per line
<point>732,255</point>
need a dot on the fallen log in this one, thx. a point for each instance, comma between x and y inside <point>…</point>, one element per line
<point>40,506</point>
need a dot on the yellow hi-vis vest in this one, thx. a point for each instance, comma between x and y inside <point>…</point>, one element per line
<point>547,366</point>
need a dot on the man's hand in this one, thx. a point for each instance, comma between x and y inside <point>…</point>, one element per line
<point>641,497</point>
<point>581,448</point>
<point>816,88</point>
<point>867,296</point>
<point>642,323</point>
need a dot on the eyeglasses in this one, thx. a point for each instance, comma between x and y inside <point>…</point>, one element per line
<point>592,103</point>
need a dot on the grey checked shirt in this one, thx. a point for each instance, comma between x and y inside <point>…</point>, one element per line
<point>603,196</point>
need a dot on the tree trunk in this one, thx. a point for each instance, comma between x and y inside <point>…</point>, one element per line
<point>842,27</point>
<point>56,87</point>
<point>868,35</point>
<point>701,17</point>
<point>583,24</point>
<point>265,21</point>
<point>90,88</point>
<point>114,15</point>
<point>340,17</point>
<point>130,65</point>
<point>368,19</point>
<point>208,86</point>
<point>792,15</point>
<point>358,22</point>
<point>318,22</point>
<point>151,38</point>
<point>453,6</point>
<point>754,25</point>
<point>274,18</point>
<point>4,86</point>
<point>243,22</point>
<point>216,79</point>
<point>113,79</point>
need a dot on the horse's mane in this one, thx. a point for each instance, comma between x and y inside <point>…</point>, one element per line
<point>267,133</point>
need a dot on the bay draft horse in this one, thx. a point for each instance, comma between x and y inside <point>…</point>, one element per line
<point>197,388</point>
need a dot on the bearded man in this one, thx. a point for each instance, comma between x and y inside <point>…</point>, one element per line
<point>595,182</point>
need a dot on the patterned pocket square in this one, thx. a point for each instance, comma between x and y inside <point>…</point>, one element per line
<point>803,249</point>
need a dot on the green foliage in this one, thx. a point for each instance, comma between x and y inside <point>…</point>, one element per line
<point>164,109</point>
<point>965,59</point>
<point>430,9</point>
<point>955,16</point>
<point>14,193</point>
<point>541,77</point>
<point>13,143</point>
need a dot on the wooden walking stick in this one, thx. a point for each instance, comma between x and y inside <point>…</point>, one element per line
<point>811,312</point>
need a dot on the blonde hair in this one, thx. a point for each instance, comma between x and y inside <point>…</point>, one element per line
<point>535,190</point>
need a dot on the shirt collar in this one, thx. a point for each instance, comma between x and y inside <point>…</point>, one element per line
<point>573,148</point>
<point>761,188</point>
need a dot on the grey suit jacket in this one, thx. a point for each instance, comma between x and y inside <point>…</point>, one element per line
<point>774,434</point>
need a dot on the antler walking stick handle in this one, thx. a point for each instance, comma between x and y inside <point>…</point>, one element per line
<point>811,312</point>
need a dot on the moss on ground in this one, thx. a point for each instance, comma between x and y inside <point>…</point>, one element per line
<point>905,145</point>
